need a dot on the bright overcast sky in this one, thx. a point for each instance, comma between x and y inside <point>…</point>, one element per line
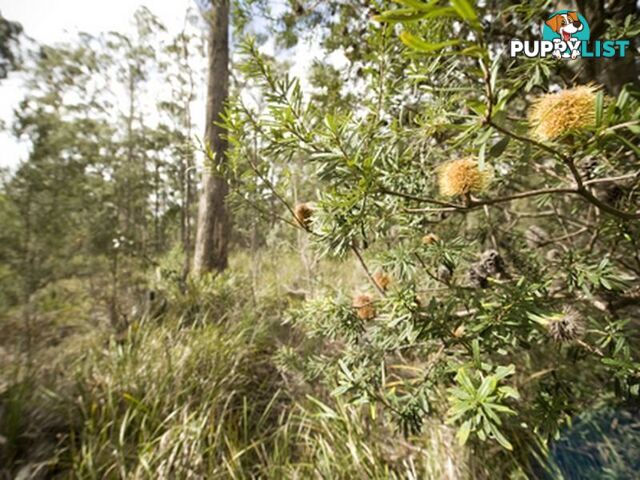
<point>50,21</point>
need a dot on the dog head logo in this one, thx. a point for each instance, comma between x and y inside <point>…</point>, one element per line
<point>566,29</point>
<point>565,24</point>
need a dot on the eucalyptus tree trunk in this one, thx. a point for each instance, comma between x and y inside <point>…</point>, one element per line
<point>212,236</point>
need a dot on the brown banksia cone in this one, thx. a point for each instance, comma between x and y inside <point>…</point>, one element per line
<point>478,276</point>
<point>363,304</point>
<point>303,213</point>
<point>492,262</point>
<point>464,176</point>
<point>555,114</point>
<point>430,239</point>
<point>382,280</point>
<point>566,328</point>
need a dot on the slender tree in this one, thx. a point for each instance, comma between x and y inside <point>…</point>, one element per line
<point>212,235</point>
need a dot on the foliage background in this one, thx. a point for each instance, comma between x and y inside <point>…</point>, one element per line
<point>400,332</point>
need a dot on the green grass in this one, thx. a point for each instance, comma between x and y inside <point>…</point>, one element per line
<point>195,391</point>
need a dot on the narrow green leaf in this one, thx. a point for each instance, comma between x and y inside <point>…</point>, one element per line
<point>503,372</point>
<point>499,408</point>
<point>599,107</point>
<point>416,43</point>
<point>509,392</point>
<point>465,382</point>
<point>466,11</point>
<point>474,51</point>
<point>487,387</point>
<point>463,432</point>
<point>499,148</point>
<point>399,15</point>
<point>502,440</point>
<point>628,144</point>
<point>418,5</point>
<point>481,156</point>
<point>622,99</point>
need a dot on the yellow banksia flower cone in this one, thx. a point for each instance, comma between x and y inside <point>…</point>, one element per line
<point>554,114</point>
<point>460,177</point>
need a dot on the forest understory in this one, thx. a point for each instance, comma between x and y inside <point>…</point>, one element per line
<point>323,240</point>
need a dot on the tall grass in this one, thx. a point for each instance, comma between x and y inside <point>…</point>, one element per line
<point>207,402</point>
<point>192,390</point>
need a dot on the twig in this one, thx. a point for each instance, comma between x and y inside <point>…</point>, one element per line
<point>611,179</point>
<point>355,250</point>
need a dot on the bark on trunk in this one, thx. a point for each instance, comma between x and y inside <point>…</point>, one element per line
<point>212,235</point>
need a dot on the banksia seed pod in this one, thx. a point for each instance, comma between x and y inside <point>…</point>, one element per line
<point>430,239</point>
<point>492,262</point>
<point>363,304</point>
<point>303,213</point>
<point>382,280</point>
<point>566,328</point>
<point>477,276</point>
<point>461,177</point>
<point>535,236</point>
<point>489,265</point>
<point>588,167</point>
<point>554,114</point>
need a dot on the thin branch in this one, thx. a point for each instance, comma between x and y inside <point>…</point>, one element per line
<point>611,179</point>
<point>355,250</point>
<point>528,140</point>
<point>564,237</point>
<point>516,196</point>
<point>580,190</point>
<point>408,196</point>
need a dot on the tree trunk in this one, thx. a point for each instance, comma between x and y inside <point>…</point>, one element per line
<point>212,234</point>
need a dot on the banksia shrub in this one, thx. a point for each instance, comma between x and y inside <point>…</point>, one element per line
<point>555,114</point>
<point>460,177</point>
<point>303,213</point>
<point>363,304</point>
<point>382,280</point>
